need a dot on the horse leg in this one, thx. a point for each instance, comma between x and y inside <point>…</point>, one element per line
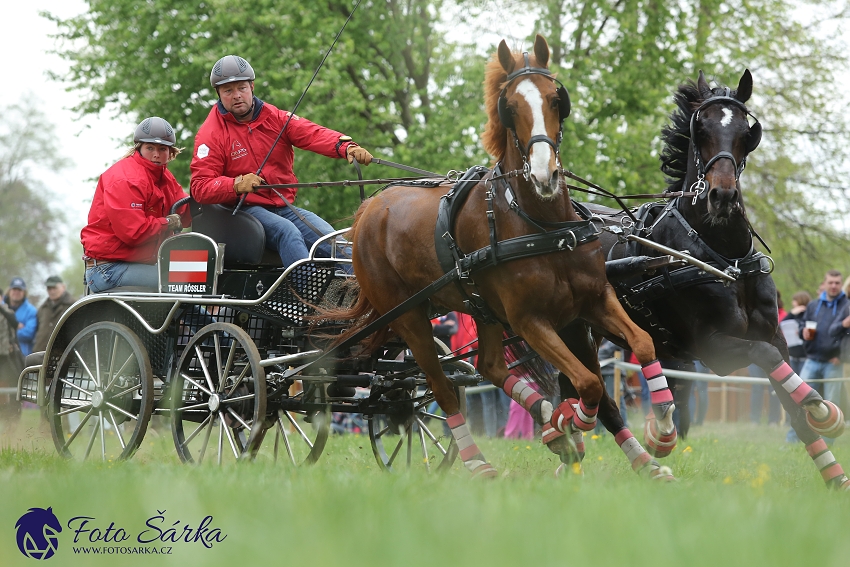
<point>415,329</point>
<point>803,404</point>
<point>659,430</point>
<point>491,365</point>
<point>566,418</point>
<point>584,347</point>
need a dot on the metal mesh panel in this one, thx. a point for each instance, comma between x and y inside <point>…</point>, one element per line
<point>29,387</point>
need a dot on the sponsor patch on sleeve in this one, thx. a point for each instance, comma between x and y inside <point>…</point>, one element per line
<point>203,151</point>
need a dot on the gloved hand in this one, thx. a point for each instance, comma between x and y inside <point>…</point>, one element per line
<point>360,154</point>
<point>246,183</point>
<point>174,223</point>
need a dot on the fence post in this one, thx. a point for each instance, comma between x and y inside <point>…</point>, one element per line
<point>618,377</point>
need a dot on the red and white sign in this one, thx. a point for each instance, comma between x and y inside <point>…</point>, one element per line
<point>187,266</point>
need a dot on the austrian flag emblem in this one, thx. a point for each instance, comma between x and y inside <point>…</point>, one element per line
<point>188,266</point>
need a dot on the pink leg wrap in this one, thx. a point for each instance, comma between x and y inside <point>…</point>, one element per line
<point>632,448</point>
<point>585,418</point>
<point>522,393</point>
<point>830,470</point>
<point>560,421</point>
<point>792,383</point>
<point>659,393</point>
<point>472,458</point>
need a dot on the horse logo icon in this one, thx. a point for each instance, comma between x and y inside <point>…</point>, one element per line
<point>38,533</point>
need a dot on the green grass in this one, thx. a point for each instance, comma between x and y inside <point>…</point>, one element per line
<point>744,497</point>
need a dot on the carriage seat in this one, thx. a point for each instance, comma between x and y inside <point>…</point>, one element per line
<point>242,235</point>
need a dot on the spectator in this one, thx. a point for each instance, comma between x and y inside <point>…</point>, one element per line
<point>25,313</point>
<point>841,327</point>
<point>821,337</point>
<point>239,133</point>
<point>445,327</point>
<point>130,212</point>
<point>11,359</point>
<point>58,301</point>
<point>790,326</point>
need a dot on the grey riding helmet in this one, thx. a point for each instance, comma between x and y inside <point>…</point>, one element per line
<point>155,130</point>
<point>229,69</point>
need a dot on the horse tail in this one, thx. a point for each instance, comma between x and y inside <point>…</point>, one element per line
<point>531,365</point>
<point>359,314</point>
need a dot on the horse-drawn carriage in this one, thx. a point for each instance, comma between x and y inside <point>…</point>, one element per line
<point>227,343</point>
<point>210,350</point>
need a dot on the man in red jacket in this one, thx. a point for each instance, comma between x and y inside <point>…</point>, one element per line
<point>233,142</point>
<point>130,212</point>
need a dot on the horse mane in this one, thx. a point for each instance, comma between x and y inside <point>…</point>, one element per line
<point>495,136</point>
<point>676,135</point>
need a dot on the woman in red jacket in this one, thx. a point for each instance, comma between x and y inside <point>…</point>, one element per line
<point>129,216</point>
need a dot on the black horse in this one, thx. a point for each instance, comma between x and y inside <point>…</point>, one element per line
<point>692,315</point>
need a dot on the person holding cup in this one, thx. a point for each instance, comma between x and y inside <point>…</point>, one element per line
<point>821,339</point>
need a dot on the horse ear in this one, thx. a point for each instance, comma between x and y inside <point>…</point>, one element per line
<point>702,85</point>
<point>541,51</point>
<point>745,87</point>
<point>506,58</point>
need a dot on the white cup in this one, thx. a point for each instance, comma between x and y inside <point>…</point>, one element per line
<point>811,325</point>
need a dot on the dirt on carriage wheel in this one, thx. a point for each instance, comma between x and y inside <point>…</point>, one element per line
<point>101,396</point>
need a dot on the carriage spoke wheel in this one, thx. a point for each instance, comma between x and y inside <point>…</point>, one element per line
<point>300,436</point>
<point>415,436</point>
<point>101,397</point>
<point>218,397</point>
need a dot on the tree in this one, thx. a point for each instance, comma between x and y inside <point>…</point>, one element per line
<point>393,82</point>
<point>28,221</point>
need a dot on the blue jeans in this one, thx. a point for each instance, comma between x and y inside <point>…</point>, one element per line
<point>757,397</point>
<point>287,234</point>
<point>815,369</point>
<point>104,277</point>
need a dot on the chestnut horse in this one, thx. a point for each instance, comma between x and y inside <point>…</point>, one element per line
<point>394,257</point>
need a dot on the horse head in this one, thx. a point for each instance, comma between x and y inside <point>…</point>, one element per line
<point>526,106</point>
<point>722,138</point>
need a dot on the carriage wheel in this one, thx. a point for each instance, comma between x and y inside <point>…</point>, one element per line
<point>218,397</point>
<point>415,436</point>
<point>101,397</point>
<point>300,436</point>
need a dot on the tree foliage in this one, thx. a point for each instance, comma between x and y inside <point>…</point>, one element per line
<point>403,86</point>
<point>393,82</point>
<point>28,221</point>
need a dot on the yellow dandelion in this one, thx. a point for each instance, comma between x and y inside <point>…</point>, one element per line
<point>576,468</point>
<point>688,449</point>
<point>599,458</point>
<point>727,480</point>
<point>516,448</point>
<point>594,437</point>
<point>528,447</point>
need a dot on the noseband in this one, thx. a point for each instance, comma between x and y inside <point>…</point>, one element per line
<point>754,137</point>
<point>507,119</point>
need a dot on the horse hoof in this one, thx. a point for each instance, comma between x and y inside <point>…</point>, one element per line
<point>565,447</point>
<point>658,445</point>
<point>485,471</point>
<point>832,426</point>
<point>662,474</point>
<point>565,470</point>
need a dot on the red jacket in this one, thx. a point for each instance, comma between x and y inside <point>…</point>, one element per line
<point>127,216</point>
<point>226,148</point>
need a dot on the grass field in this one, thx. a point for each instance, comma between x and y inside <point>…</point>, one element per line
<point>744,497</point>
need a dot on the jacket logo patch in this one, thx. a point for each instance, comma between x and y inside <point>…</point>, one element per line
<point>137,205</point>
<point>203,151</point>
<point>237,151</point>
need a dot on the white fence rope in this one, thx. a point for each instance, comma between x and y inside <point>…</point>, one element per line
<point>682,374</point>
